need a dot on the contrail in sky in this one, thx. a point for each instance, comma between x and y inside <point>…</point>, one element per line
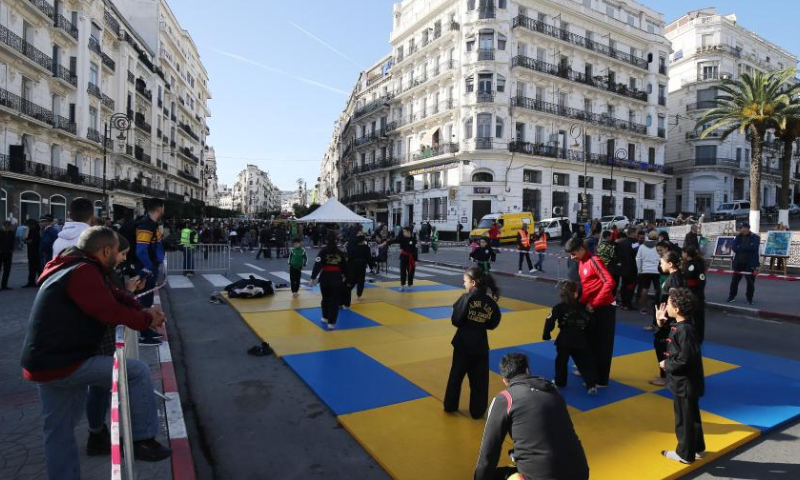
<point>281,72</point>
<point>327,45</point>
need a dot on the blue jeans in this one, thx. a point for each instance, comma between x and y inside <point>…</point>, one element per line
<point>188,260</point>
<point>540,263</point>
<point>98,402</point>
<point>63,402</point>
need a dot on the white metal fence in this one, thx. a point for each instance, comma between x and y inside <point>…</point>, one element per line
<point>199,258</point>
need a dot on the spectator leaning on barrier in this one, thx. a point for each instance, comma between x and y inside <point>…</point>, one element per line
<point>76,300</point>
<point>546,445</point>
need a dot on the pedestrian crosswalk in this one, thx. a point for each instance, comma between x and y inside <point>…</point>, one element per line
<point>219,281</point>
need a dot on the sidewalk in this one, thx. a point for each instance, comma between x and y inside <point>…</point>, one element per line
<point>774,299</point>
<point>21,447</point>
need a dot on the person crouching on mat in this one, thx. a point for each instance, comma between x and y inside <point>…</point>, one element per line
<point>330,267</point>
<point>484,255</point>
<point>685,377</point>
<point>573,338</point>
<point>473,314</point>
<point>408,257</point>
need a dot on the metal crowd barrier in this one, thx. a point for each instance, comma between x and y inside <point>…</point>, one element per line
<point>213,257</point>
<point>120,408</point>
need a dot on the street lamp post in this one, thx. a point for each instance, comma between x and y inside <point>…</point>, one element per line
<point>577,132</point>
<point>121,122</point>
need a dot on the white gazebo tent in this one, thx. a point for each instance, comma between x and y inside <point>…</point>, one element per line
<point>333,212</point>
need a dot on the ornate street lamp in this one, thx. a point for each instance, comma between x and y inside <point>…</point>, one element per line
<point>121,122</point>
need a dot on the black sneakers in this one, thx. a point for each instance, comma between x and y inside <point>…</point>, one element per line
<point>99,443</point>
<point>150,451</point>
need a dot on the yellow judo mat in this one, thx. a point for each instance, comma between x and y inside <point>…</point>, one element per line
<point>384,369</point>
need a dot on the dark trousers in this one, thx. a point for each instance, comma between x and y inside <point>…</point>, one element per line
<point>660,347</point>
<point>688,428</point>
<point>627,286</point>
<point>583,360</point>
<point>188,260</point>
<point>294,279</point>
<point>34,267</point>
<point>526,256</point>
<point>699,319</point>
<point>265,250</point>
<point>358,278</point>
<point>5,265</point>
<point>346,295</point>
<point>751,283</point>
<point>601,341</point>
<point>330,285</point>
<point>540,263</point>
<point>476,369</point>
<point>406,274</point>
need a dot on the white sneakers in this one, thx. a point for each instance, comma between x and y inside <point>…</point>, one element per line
<point>331,326</point>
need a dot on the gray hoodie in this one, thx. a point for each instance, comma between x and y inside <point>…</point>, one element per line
<point>68,237</point>
<point>647,259</point>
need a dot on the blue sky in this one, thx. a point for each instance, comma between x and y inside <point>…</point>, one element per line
<point>280,71</point>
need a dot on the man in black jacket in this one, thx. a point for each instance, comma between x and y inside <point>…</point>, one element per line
<point>626,258</point>
<point>6,252</point>
<point>535,415</point>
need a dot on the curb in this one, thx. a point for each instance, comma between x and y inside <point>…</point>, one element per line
<point>722,307</point>
<point>182,461</point>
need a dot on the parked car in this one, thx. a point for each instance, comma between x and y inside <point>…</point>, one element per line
<point>510,224</point>
<point>735,210</point>
<point>552,226</point>
<point>608,222</point>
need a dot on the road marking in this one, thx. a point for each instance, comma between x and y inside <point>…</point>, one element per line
<point>178,281</point>
<point>416,274</point>
<point>254,267</point>
<point>286,277</point>
<point>217,280</point>
<point>440,271</point>
<point>247,276</point>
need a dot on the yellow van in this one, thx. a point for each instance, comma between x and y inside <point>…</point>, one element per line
<point>509,223</point>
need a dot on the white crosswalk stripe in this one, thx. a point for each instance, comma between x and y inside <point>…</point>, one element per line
<point>416,275</point>
<point>247,276</point>
<point>286,277</point>
<point>440,271</point>
<point>217,280</point>
<point>254,267</point>
<point>178,281</point>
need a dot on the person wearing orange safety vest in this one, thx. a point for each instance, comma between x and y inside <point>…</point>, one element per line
<point>524,247</point>
<point>540,245</point>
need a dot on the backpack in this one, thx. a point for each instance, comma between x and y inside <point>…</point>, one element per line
<point>250,288</point>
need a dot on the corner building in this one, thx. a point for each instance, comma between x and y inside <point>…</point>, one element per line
<point>708,48</point>
<point>491,106</point>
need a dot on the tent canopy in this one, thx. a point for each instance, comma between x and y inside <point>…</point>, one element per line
<point>333,212</point>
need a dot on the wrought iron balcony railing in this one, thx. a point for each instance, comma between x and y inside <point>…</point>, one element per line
<point>25,107</point>
<point>66,25</point>
<point>94,90</point>
<point>94,45</point>
<point>93,135</point>
<point>65,124</point>
<point>574,113</point>
<point>41,170</point>
<point>26,49</point>
<point>578,156</point>
<point>65,74</point>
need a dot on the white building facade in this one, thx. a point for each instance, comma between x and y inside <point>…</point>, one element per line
<point>210,177</point>
<point>66,69</point>
<point>254,193</point>
<point>492,106</point>
<point>225,197</point>
<point>709,47</point>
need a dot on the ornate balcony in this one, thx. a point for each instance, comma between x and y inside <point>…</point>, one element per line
<point>25,107</point>
<point>571,38</point>
<point>371,106</point>
<point>188,176</point>
<point>15,42</point>
<point>93,135</point>
<point>188,154</point>
<point>702,105</point>
<point>485,54</point>
<point>576,114</point>
<point>707,162</point>
<point>435,151</point>
<point>112,22</point>
<point>108,62</point>
<point>141,89</point>
<point>141,123</point>
<point>94,45</point>
<point>64,124</point>
<point>107,102</point>
<point>41,170</point>
<point>66,25</point>
<point>578,156</point>
<point>65,74</point>
<point>577,77</point>
<point>94,91</point>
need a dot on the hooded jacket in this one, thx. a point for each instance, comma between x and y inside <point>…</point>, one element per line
<point>76,300</point>
<point>68,236</point>
<point>546,446</point>
<point>647,260</point>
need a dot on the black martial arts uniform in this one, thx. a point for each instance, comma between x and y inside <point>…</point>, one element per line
<point>660,335</point>
<point>695,273</point>
<point>331,267</point>
<point>473,314</point>
<point>484,256</point>
<point>684,366</point>
<point>408,259</point>
<point>357,263</point>
<point>572,341</point>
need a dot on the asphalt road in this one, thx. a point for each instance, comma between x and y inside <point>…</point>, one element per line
<point>252,418</point>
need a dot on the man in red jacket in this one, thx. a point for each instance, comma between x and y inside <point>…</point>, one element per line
<point>598,296</point>
<point>60,353</point>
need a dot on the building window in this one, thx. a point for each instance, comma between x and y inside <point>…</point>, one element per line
<point>30,206</point>
<point>629,187</point>
<point>468,129</point>
<point>501,83</point>
<point>588,180</point>
<point>678,184</point>
<point>561,179</point>
<point>484,125</point>
<point>480,177</point>
<point>649,191</point>
<point>58,207</point>
<point>501,41</point>
<point>498,127</point>
<point>609,184</point>
<point>410,183</point>
<point>532,176</point>
<point>651,155</point>
<point>470,84</point>
<point>532,201</point>
<point>93,118</point>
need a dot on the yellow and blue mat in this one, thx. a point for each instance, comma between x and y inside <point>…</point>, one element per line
<point>384,369</point>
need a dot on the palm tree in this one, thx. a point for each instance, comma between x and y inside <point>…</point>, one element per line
<point>751,105</point>
<point>788,132</point>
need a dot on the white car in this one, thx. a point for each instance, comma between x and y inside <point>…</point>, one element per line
<point>621,221</point>
<point>552,226</point>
